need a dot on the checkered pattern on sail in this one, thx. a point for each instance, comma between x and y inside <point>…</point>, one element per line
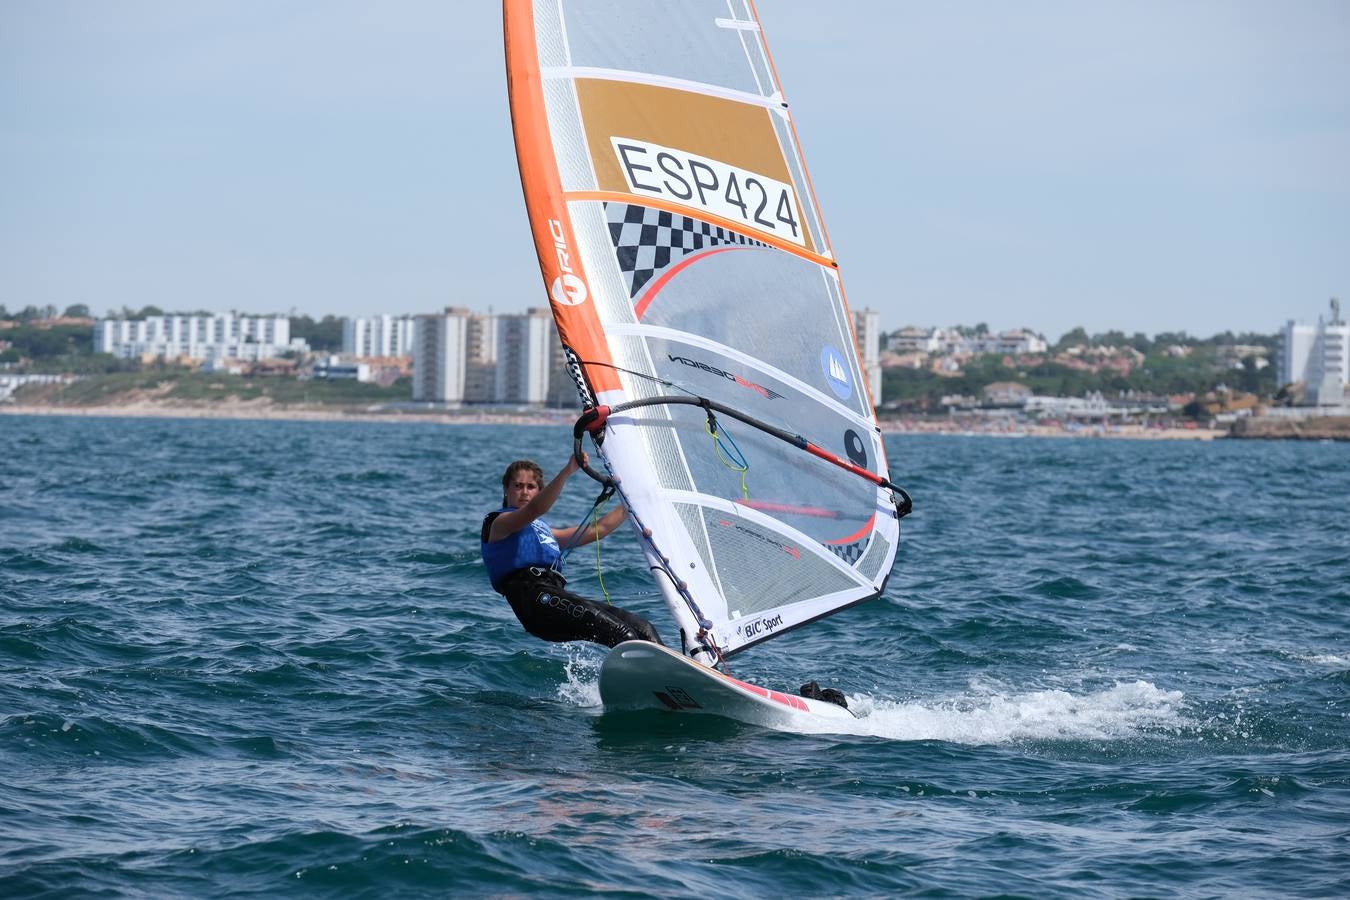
<point>574,371</point>
<point>647,240</point>
<point>849,553</point>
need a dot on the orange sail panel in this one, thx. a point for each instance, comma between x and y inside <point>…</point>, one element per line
<point>554,241</point>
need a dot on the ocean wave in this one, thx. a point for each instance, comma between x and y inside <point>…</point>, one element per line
<point>1120,712</point>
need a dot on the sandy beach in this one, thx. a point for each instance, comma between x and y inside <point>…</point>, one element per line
<point>1020,430</point>
<point>315,413</point>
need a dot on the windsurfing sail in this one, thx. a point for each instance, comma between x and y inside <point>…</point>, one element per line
<point>696,294</point>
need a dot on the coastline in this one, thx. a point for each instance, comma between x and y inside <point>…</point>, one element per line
<point>294,413</point>
<point>1022,430</point>
<point>256,412</point>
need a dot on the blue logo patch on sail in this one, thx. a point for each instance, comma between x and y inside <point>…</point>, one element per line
<point>836,372</point>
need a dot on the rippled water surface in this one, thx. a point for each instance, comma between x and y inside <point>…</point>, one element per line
<point>255,658</point>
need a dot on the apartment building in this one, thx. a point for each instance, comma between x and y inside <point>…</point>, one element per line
<point>867,332</point>
<point>1318,356</point>
<point>372,336</point>
<point>205,337</point>
<point>525,352</point>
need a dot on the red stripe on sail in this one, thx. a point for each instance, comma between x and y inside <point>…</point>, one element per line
<point>767,506</point>
<point>857,535</point>
<point>659,283</point>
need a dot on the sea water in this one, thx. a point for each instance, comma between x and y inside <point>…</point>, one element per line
<point>262,658</point>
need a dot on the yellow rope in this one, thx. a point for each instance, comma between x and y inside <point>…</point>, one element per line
<point>599,573</point>
<point>742,468</point>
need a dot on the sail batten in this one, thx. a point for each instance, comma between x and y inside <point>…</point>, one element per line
<point>681,245</point>
<point>801,542</point>
<point>772,102</point>
<point>694,340</point>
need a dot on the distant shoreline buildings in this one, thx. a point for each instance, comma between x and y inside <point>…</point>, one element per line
<point>1318,356</point>
<point>949,340</point>
<point>225,336</point>
<point>457,356</point>
<point>869,336</point>
<point>460,356</point>
<point>378,336</point>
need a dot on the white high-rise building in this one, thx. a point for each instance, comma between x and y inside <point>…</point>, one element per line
<point>372,336</point>
<point>225,336</point>
<point>524,356</point>
<point>438,356</point>
<point>454,357</point>
<point>867,331</point>
<point>562,390</point>
<point>464,357</point>
<point>480,365</point>
<point>1318,356</point>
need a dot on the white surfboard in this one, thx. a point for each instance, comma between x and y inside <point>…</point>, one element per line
<point>642,675</point>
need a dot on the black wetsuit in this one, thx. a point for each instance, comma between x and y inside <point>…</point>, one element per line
<point>541,601</point>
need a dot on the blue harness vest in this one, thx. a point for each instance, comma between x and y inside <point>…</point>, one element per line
<point>533,545</point>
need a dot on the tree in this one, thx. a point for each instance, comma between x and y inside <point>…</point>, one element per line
<point>1167,338</point>
<point>77,311</point>
<point>148,311</point>
<point>1110,339</point>
<point>325,335</point>
<point>1256,381</point>
<point>1078,336</point>
<point>1251,338</point>
<point>1222,339</point>
<point>45,343</point>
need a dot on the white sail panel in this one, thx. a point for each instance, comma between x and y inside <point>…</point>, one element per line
<point>689,40</point>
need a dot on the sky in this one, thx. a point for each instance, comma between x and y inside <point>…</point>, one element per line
<point>1147,166</point>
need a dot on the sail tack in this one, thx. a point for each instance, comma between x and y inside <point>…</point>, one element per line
<point>681,246</point>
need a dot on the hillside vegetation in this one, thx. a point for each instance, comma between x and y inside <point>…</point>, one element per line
<point>172,387</point>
